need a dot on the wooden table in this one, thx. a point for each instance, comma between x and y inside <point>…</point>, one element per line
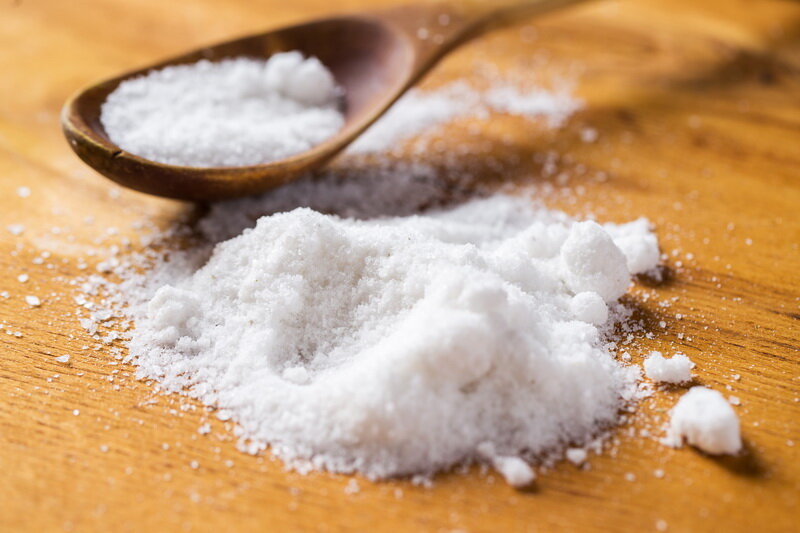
<point>697,105</point>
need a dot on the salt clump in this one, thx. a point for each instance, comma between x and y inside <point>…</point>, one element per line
<point>594,263</point>
<point>235,112</point>
<point>677,369</point>
<point>705,420</point>
<point>400,345</point>
<point>589,307</point>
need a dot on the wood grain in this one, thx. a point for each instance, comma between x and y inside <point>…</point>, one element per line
<point>697,105</point>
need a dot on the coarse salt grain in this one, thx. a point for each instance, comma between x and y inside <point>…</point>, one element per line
<point>33,301</point>
<point>15,229</point>
<point>706,420</point>
<point>576,456</point>
<point>677,369</point>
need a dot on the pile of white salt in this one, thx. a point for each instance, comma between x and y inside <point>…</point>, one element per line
<point>402,345</point>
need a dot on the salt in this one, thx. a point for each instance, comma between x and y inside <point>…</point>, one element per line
<point>15,229</point>
<point>677,369</point>
<point>576,456</point>
<point>235,112</point>
<point>314,334</point>
<point>706,420</point>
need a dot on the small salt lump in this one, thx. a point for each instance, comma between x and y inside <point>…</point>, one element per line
<point>589,307</point>
<point>235,112</point>
<point>706,420</point>
<point>678,369</point>
<point>594,263</point>
<point>514,470</point>
<point>576,456</point>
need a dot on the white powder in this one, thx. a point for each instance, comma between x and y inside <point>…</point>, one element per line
<point>677,369</point>
<point>424,111</point>
<point>399,345</point>
<point>706,420</point>
<point>512,100</point>
<point>419,111</point>
<point>235,112</point>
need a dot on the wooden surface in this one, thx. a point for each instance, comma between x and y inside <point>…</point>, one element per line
<point>697,105</point>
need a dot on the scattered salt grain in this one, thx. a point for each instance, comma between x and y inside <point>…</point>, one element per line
<point>23,192</point>
<point>352,487</point>
<point>15,229</point>
<point>706,420</point>
<point>589,135</point>
<point>235,112</point>
<point>22,278</point>
<point>677,369</point>
<point>576,456</point>
<point>63,359</point>
<point>33,301</point>
<point>514,470</point>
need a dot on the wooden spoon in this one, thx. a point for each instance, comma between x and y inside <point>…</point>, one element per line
<point>375,57</point>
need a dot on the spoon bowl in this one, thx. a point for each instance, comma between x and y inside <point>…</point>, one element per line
<point>374,57</point>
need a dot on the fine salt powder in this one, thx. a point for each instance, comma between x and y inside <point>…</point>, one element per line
<point>400,345</point>
<point>235,112</point>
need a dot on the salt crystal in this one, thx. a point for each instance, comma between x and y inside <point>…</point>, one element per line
<point>576,456</point>
<point>63,359</point>
<point>23,192</point>
<point>589,135</point>
<point>22,278</point>
<point>352,487</point>
<point>677,369</point>
<point>706,420</point>
<point>33,301</point>
<point>15,229</point>
<point>514,470</point>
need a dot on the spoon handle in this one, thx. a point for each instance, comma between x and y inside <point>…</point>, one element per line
<point>438,26</point>
<point>492,12</point>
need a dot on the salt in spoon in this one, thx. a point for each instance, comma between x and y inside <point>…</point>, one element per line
<point>375,57</point>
